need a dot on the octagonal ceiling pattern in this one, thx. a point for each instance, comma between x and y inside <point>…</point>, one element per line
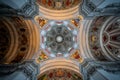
<point>59,38</point>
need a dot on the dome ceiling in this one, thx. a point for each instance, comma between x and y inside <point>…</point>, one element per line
<point>62,44</point>
<point>59,38</point>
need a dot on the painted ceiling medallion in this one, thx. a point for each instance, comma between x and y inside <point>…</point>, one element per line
<point>58,4</point>
<point>60,74</point>
<point>40,21</point>
<point>41,57</point>
<point>59,38</point>
<point>76,56</point>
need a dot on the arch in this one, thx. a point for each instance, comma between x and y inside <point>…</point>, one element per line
<point>59,63</point>
<point>24,39</point>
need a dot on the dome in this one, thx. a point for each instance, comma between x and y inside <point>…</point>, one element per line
<point>59,38</point>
